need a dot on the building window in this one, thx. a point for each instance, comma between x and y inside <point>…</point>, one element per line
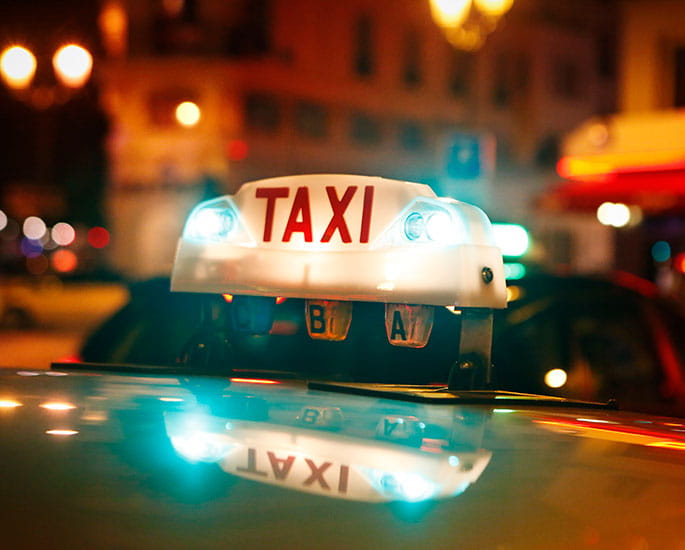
<point>566,78</point>
<point>311,120</point>
<point>177,27</point>
<point>606,55</point>
<point>460,73</point>
<point>411,136</point>
<point>365,130</point>
<point>364,58</point>
<point>501,91</point>
<point>679,78</point>
<point>262,112</point>
<point>411,68</point>
<point>249,31</point>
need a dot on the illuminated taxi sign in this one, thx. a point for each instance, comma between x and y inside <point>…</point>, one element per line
<point>341,237</point>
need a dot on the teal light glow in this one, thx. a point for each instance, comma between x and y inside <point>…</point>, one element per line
<point>661,251</point>
<point>514,271</point>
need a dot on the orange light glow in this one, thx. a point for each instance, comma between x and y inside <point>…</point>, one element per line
<point>17,65</point>
<point>61,432</point>
<point>57,406</point>
<point>449,13</point>
<point>679,263</point>
<point>253,381</point>
<point>64,261</point>
<point>581,167</point>
<point>228,297</point>
<point>675,445</point>
<point>494,8</point>
<point>9,404</point>
<point>72,64</point>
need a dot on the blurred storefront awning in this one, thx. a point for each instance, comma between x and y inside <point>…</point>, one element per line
<point>635,159</point>
<point>655,192</point>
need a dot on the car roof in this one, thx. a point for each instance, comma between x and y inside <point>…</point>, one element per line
<point>127,466</point>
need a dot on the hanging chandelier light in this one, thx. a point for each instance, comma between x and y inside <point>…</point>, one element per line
<point>467,23</point>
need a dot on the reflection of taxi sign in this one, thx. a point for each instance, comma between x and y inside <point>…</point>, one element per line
<point>321,417</point>
<point>401,429</point>
<point>335,239</point>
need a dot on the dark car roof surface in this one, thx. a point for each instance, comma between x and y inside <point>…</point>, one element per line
<point>206,462</point>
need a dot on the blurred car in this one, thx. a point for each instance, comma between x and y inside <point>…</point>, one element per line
<point>50,302</point>
<point>239,436</point>
<point>603,338</point>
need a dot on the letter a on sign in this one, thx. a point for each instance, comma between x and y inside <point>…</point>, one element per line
<point>408,325</point>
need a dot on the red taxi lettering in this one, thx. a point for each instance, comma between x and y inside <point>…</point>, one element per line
<point>317,473</point>
<point>282,467</point>
<point>270,194</point>
<point>366,214</point>
<point>338,219</point>
<point>300,217</point>
<point>299,210</point>
<point>251,467</point>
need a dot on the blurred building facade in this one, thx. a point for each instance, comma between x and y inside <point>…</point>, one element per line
<point>362,86</point>
<point>635,155</point>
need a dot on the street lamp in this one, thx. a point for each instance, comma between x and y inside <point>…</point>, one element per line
<point>72,65</point>
<point>467,23</point>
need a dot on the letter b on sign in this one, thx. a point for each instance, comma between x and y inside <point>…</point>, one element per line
<point>328,319</point>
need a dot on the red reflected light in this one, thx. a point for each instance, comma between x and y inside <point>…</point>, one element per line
<point>237,149</point>
<point>98,237</point>
<point>228,297</point>
<point>253,381</point>
<point>280,300</point>
<point>679,263</point>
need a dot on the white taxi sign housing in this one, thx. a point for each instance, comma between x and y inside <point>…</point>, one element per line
<point>341,237</point>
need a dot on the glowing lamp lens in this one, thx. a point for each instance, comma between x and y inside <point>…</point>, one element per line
<point>211,224</point>
<point>407,487</point>
<point>408,325</point>
<point>328,319</point>
<point>430,224</point>
<point>438,226</point>
<point>414,226</point>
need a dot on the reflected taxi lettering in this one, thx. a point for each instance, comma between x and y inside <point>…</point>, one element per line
<point>300,217</point>
<point>320,475</point>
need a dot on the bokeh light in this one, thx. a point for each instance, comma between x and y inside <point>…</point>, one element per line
<point>64,261</point>
<point>34,228</point>
<point>30,248</point>
<point>450,13</point>
<point>237,150</point>
<point>615,214</point>
<point>98,237</point>
<point>18,65</point>
<point>556,378</point>
<point>63,234</point>
<point>72,64</point>
<point>3,220</point>
<point>188,114</point>
<point>661,251</point>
